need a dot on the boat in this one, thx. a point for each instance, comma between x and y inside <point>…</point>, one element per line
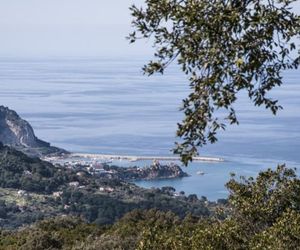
<point>200,173</point>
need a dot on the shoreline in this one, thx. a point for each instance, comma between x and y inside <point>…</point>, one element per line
<point>141,158</point>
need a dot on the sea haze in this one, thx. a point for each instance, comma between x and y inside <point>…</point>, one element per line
<point>102,105</point>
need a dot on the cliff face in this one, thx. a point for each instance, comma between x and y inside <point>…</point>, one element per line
<point>17,133</point>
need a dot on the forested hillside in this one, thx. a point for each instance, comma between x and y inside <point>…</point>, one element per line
<point>32,189</point>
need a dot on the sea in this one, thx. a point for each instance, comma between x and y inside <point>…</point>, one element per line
<point>108,106</point>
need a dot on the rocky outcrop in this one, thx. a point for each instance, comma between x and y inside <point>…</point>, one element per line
<point>17,133</point>
<point>153,172</point>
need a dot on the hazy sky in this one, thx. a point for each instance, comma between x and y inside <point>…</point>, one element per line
<point>68,27</point>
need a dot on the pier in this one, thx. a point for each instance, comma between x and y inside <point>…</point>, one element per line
<point>143,158</point>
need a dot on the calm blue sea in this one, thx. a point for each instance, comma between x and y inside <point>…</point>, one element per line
<point>106,105</point>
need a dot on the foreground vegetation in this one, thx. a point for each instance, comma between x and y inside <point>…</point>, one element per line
<point>260,214</point>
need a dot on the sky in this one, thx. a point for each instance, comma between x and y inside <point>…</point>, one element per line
<point>69,28</point>
<point>66,27</point>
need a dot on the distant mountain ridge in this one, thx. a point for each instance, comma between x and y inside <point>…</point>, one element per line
<point>18,133</point>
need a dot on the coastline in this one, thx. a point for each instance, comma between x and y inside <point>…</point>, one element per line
<point>141,158</point>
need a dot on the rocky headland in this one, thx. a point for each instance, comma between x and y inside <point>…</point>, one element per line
<point>18,133</point>
<point>154,172</point>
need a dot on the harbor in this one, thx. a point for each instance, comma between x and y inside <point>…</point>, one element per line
<point>143,158</point>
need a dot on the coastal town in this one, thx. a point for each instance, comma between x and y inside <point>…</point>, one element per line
<point>108,168</point>
<point>127,167</point>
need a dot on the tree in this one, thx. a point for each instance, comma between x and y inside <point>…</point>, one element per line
<point>263,213</point>
<point>261,202</point>
<point>224,47</point>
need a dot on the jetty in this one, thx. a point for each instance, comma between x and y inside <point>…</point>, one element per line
<point>143,158</point>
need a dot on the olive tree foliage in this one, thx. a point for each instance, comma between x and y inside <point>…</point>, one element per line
<point>224,47</point>
<point>262,201</point>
